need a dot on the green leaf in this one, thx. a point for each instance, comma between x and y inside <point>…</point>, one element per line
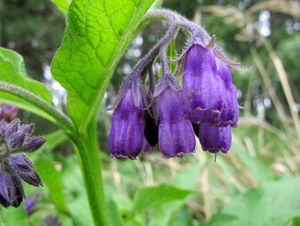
<point>164,214</point>
<point>12,70</point>
<point>13,216</point>
<point>276,203</point>
<point>255,166</point>
<point>53,181</point>
<point>97,35</point>
<point>62,5</point>
<point>151,197</point>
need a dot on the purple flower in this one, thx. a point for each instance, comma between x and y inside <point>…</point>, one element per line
<point>15,138</point>
<point>11,190</point>
<point>176,136</point>
<point>127,131</point>
<point>30,204</point>
<point>8,112</point>
<point>230,112</point>
<point>201,86</point>
<point>215,139</point>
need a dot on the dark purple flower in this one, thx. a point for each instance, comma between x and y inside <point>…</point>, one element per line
<point>176,136</point>
<point>8,112</point>
<point>215,139</point>
<point>230,112</point>
<point>15,138</point>
<point>201,86</point>
<point>11,190</point>
<point>127,131</point>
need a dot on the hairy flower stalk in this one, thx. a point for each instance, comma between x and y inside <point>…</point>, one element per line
<point>14,167</point>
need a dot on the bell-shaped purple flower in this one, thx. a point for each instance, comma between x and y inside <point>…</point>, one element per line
<point>230,112</point>
<point>201,86</point>
<point>215,139</point>
<point>127,131</point>
<point>176,136</point>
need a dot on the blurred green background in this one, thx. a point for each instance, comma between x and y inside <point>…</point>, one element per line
<point>256,184</point>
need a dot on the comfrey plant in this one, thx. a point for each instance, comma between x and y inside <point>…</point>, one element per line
<point>206,100</point>
<point>168,113</point>
<point>14,166</point>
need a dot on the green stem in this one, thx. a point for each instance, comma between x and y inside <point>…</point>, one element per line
<point>59,117</point>
<point>89,156</point>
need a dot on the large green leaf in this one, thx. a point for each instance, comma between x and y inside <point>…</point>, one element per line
<point>276,203</point>
<point>151,197</point>
<point>97,35</point>
<point>12,70</point>
<point>62,5</point>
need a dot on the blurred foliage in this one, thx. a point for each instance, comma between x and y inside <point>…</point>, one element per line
<point>255,184</point>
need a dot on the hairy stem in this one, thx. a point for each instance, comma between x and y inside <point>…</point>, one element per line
<point>59,117</point>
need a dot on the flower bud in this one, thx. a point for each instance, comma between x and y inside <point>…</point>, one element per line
<point>30,204</point>
<point>6,189</point>
<point>215,139</point>
<point>11,128</point>
<point>33,143</point>
<point>24,169</point>
<point>8,112</point>
<point>15,140</point>
<point>11,191</point>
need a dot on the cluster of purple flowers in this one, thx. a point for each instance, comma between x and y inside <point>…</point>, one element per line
<point>14,166</point>
<point>171,115</point>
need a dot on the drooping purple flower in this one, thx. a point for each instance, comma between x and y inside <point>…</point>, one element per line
<point>230,112</point>
<point>201,86</point>
<point>176,136</point>
<point>127,131</point>
<point>8,112</point>
<point>215,139</point>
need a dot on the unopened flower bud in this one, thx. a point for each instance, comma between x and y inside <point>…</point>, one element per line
<point>33,143</point>
<point>24,169</point>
